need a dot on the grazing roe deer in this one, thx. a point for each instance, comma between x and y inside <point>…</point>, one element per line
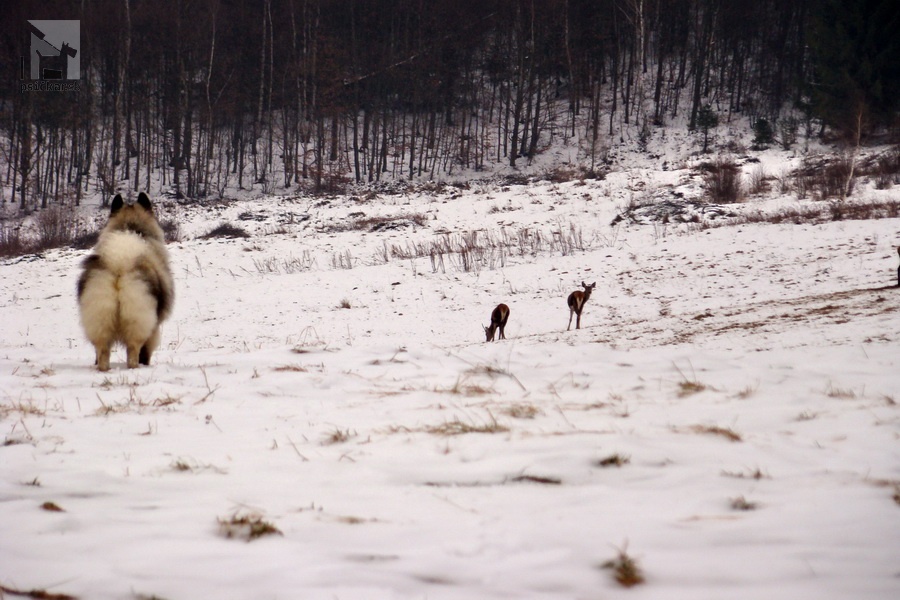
<point>499,317</point>
<point>898,268</point>
<point>576,303</point>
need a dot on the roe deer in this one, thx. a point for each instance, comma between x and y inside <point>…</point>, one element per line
<point>576,303</point>
<point>498,320</point>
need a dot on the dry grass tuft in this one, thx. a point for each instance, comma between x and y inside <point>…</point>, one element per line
<point>290,369</point>
<point>756,474</point>
<point>840,393</point>
<point>338,436</point>
<point>51,507</point>
<point>537,479</point>
<point>167,400</point>
<point>134,403</point>
<point>689,388</point>
<point>489,370</point>
<point>747,392</point>
<point>26,409</point>
<point>614,460</point>
<point>181,466</point>
<point>351,520</point>
<point>522,411</point>
<point>625,569</point>
<point>740,503</point>
<point>246,527</point>
<point>467,389</point>
<point>457,427</point>
<point>728,434</point>
<point>290,265</point>
<point>35,594</point>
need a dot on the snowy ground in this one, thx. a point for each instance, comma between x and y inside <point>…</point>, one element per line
<point>743,381</point>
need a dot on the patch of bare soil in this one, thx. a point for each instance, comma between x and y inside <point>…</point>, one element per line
<point>778,322</point>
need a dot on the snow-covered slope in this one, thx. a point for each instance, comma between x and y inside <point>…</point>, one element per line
<point>727,415</point>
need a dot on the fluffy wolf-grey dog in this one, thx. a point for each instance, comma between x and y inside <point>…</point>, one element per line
<point>125,290</point>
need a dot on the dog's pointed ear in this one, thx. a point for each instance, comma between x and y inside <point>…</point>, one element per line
<point>117,204</point>
<point>144,201</point>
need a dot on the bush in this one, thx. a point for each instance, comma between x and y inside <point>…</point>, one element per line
<point>833,182</point>
<point>706,120</point>
<point>763,135</point>
<point>226,230</point>
<point>758,181</point>
<point>172,230</point>
<point>824,178</point>
<point>788,130</point>
<point>886,170</point>
<point>85,240</point>
<point>323,183</point>
<point>56,226</point>
<point>11,243</point>
<point>722,181</point>
<point>566,173</point>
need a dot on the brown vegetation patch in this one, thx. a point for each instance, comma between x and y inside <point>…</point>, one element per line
<point>36,594</point>
<point>247,527</point>
<point>724,432</point>
<point>625,570</point>
<point>614,460</point>
<point>226,230</point>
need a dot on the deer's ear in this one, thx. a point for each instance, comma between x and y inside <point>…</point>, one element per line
<point>117,204</point>
<point>593,285</point>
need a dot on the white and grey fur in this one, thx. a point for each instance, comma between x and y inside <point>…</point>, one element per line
<point>126,290</point>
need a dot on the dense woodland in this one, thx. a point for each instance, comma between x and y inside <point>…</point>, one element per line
<point>198,97</point>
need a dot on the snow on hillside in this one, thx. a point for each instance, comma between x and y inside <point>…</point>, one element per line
<point>727,415</point>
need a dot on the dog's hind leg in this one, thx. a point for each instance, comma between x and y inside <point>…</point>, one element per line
<point>103,357</point>
<point>148,347</point>
<point>134,354</point>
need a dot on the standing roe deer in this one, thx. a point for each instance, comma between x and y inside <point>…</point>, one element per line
<point>576,303</point>
<point>498,320</point>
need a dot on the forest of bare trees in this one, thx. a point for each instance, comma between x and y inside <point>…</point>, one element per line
<point>197,97</point>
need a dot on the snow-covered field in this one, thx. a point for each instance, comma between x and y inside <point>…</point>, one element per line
<point>727,415</point>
